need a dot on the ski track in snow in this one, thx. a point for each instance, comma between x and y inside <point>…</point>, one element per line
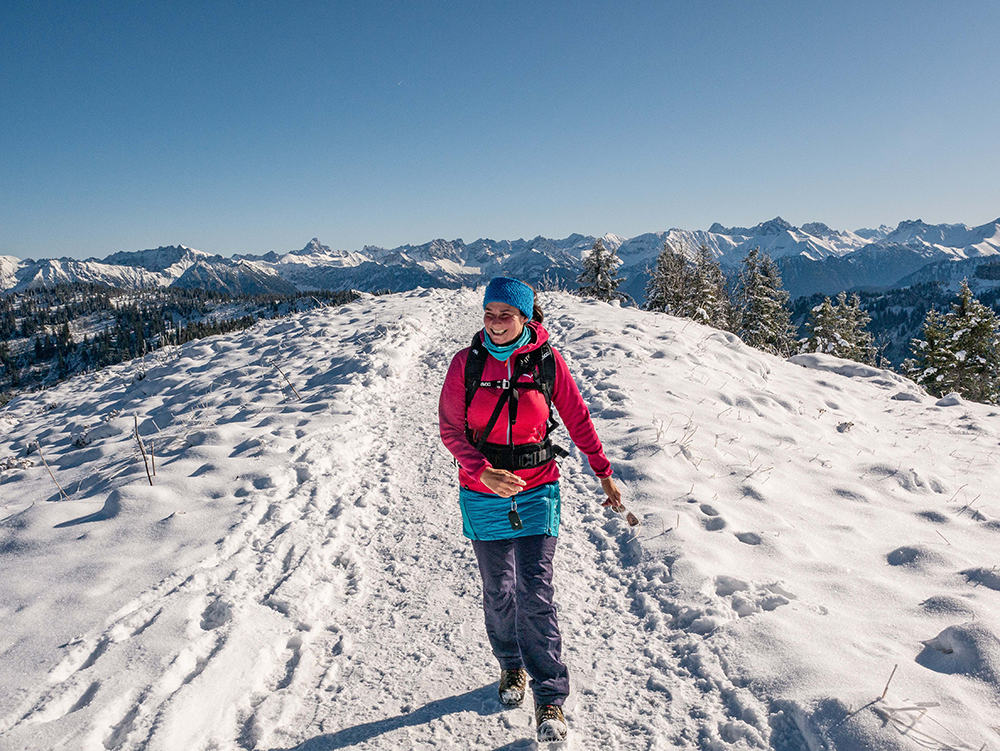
<point>342,608</point>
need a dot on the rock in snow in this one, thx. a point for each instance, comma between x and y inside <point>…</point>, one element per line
<point>295,577</point>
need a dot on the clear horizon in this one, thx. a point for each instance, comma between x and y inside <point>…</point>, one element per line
<point>236,129</point>
<point>426,241</point>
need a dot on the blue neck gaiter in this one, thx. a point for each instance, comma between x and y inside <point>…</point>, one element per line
<point>503,353</point>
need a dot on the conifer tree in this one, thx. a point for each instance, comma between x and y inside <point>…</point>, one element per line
<point>858,340</point>
<point>762,317</point>
<point>960,351</point>
<point>670,283</point>
<point>841,331</point>
<point>930,365</point>
<point>823,329</point>
<point>598,276</point>
<point>712,305</point>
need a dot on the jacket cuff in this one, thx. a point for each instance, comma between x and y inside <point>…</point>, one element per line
<point>600,465</point>
<point>476,472</point>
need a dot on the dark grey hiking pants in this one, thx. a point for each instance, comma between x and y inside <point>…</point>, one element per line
<point>520,612</point>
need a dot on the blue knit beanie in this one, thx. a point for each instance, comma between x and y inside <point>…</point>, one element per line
<point>512,292</point>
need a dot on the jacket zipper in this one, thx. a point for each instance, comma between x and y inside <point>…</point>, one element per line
<point>510,374</point>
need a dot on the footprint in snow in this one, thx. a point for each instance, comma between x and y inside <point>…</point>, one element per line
<point>913,557</point>
<point>747,599</point>
<point>216,614</point>
<point>713,523</point>
<point>933,516</point>
<point>948,605</point>
<point>987,577</point>
<point>64,701</point>
<point>82,655</point>
<point>728,585</point>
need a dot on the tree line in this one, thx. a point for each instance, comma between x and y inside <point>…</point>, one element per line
<point>957,351</point>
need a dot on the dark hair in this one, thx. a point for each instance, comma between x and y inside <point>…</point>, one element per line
<point>536,312</point>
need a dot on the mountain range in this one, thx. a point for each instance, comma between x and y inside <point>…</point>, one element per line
<point>812,258</point>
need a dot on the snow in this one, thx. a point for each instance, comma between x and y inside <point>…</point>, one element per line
<point>296,577</point>
<point>9,266</point>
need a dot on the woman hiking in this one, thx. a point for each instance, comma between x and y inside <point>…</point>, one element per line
<point>495,418</point>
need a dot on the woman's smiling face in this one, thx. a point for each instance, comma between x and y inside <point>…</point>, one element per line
<point>504,323</point>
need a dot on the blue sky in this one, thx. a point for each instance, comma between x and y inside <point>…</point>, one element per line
<point>244,127</point>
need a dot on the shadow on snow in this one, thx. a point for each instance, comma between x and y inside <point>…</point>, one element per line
<point>482,701</point>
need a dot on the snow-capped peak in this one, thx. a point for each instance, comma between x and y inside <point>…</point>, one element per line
<point>773,227</point>
<point>612,241</point>
<point>314,246</point>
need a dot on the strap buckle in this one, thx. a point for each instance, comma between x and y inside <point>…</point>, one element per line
<point>504,384</point>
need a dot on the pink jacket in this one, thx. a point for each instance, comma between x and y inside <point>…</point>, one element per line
<point>532,415</point>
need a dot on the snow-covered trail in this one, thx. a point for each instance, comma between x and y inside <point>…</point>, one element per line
<point>410,666</point>
<point>297,578</point>
<point>343,609</point>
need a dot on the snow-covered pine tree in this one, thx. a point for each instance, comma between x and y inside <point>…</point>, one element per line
<point>598,276</point>
<point>761,312</point>
<point>711,298</point>
<point>960,351</point>
<point>859,345</point>
<point>823,330</point>
<point>840,331</point>
<point>932,355</point>
<point>669,287</point>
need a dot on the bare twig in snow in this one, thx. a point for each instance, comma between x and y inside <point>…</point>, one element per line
<point>292,387</point>
<point>61,491</point>
<point>142,449</point>
<point>889,681</point>
<point>969,505</point>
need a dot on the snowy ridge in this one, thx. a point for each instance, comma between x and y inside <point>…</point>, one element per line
<point>171,261</point>
<point>65,271</point>
<point>296,576</point>
<point>952,239</point>
<point>8,267</point>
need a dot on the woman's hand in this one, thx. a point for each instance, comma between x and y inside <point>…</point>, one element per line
<point>500,481</point>
<point>613,493</point>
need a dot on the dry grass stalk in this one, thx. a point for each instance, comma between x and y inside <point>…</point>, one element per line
<point>152,457</point>
<point>142,450</point>
<point>889,681</point>
<point>294,391</point>
<point>62,492</point>
<point>872,703</point>
<point>956,493</point>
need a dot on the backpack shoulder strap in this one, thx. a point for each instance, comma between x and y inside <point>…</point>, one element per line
<point>547,372</point>
<point>541,365</point>
<point>474,366</point>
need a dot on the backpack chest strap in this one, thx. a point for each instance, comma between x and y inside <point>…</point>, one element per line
<point>505,383</point>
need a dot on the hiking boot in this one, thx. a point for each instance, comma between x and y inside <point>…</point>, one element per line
<point>551,723</point>
<point>512,686</point>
